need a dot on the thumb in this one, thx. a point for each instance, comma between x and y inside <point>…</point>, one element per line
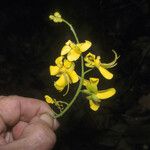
<point>38,134</point>
<point>52,122</point>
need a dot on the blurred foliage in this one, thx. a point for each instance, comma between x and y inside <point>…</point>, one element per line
<point>29,43</point>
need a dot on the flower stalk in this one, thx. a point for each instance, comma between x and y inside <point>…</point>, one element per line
<point>82,75</point>
<point>72,29</point>
<point>65,71</point>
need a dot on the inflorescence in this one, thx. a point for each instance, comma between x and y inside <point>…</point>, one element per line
<point>64,70</point>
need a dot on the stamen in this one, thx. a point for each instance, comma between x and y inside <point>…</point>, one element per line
<point>67,78</point>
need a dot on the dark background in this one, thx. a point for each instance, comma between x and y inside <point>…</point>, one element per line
<point>29,43</point>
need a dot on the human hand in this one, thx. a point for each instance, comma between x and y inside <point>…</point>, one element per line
<point>26,124</point>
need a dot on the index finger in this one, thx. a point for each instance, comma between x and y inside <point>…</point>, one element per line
<point>16,108</point>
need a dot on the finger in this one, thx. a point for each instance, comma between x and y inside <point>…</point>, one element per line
<point>37,135</point>
<point>47,118</point>
<point>20,126</point>
<point>15,108</point>
<point>40,108</point>
<point>2,141</point>
<point>18,129</point>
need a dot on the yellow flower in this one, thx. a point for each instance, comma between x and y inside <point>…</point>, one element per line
<point>64,69</point>
<point>93,61</point>
<point>73,50</point>
<point>56,17</point>
<point>94,95</point>
<point>49,100</point>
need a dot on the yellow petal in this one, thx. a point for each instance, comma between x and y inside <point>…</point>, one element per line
<point>104,94</point>
<point>108,75</point>
<point>69,43</point>
<point>72,45</point>
<point>91,84</point>
<point>49,100</point>
<point>89,57</point>
<point>51,17</point>
<point>94,81</point>
<point>57,19</point>
<point>73,76</point>
<point>97,61</point>
<point>54,70</point>
<point>86,82</point>
<point>94,106</point>
<point>61,83</point>
<point>57,14</point>
<point>65,50</point>
<point>59,60</point>
<point>67,63</point>
<point>73,55</point>
<point>89,65</point>
<point>84,46</point>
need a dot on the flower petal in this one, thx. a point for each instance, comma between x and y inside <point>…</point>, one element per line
<point>73,76</point>
<point>108,75</point>
<point>51,17</point>
<point>54,70</point>
<point>104,94</point>
<point>73,55</point>
<point>65,50</point>
<point>57,14</point>
<point>59,60</point>
<point>61,83</point>
<point>57,19</point>
<point>86,82</point>
<point>91,84</point>
<point>89,65</point>
<point>68,64</point>
<point>94,106</point>
<point>94,81</point>
<point>89,59</point>
<point>49,100</point>
<point>97,61</point>
<point>84,46</point>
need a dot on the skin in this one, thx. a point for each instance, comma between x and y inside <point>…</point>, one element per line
<point>26,124</point>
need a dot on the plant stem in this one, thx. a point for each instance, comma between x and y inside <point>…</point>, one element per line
<point>72,29</point>
<point>81,79</point>
<point>77,92</point>
<point>87,71</point>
